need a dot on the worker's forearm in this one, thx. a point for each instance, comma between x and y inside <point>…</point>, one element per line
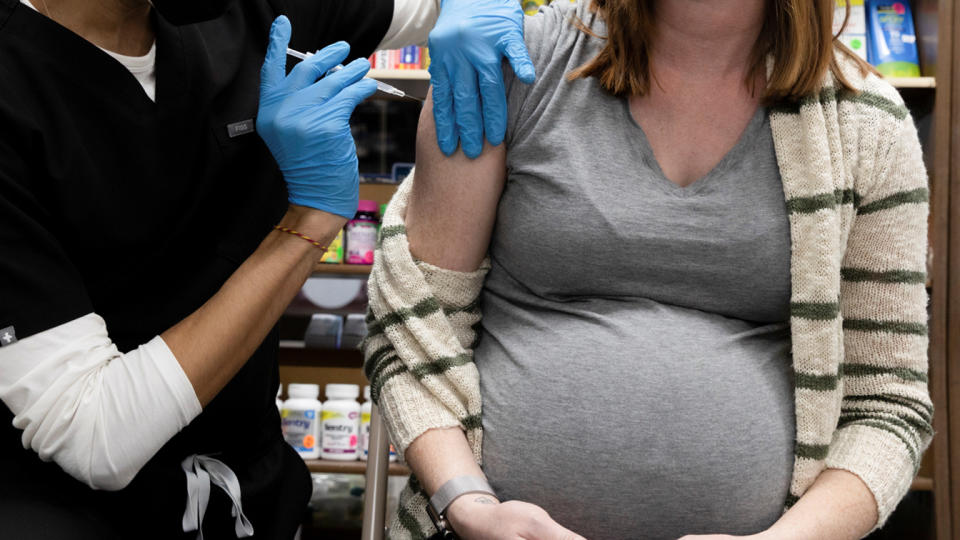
<point>214,342</point>
<point>440,455</point>
<point>838,506</point>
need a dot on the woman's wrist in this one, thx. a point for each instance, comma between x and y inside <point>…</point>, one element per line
<point>468,504</point>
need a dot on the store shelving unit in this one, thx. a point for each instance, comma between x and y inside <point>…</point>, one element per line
<point>351,467</point>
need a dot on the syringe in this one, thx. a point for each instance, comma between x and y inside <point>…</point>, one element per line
<point>381,86</point>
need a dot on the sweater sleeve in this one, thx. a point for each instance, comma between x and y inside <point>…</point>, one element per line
<point>422,324</point>
<point>886,412</point>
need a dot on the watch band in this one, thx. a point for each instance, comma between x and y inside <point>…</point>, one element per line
<point>456,487</point>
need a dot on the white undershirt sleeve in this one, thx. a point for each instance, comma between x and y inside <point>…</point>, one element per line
<point>99,414</point>
<point>412,22</point>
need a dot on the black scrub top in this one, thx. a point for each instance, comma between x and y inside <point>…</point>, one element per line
<point>139,211</point>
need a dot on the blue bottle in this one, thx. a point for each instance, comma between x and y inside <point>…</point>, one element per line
<point>892,38</point>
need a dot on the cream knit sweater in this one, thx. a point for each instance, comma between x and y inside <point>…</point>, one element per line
<point>857,196</point>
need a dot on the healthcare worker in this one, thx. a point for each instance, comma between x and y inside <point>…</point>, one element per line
<point>147,151</point>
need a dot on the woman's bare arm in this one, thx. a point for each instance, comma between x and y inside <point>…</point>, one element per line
<point>453,204</point>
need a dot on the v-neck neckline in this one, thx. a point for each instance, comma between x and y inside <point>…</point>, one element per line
<point>746,137</point>
<point>169,64</point>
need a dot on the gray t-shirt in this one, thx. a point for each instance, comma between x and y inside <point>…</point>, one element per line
<point>634,358</point>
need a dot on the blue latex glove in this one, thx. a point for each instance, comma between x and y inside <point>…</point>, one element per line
<point>304,118</point>
<point>467,47</point>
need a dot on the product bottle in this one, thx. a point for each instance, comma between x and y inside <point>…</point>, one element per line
<point>300,419</point>
<point>341,423</point>
<point>365,428</point>
<point>365,424</point>
<point>279,401</point>
<point>361,234</point>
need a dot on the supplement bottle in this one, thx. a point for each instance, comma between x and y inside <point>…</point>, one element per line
<point>341,423</point>
<point>361,234</point>
<point>365,424</point>
<point>300,419</point>
<point>279,401</point>
<point>365,428</point>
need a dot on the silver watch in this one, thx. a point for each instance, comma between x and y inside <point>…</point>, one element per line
<point>450,491</point>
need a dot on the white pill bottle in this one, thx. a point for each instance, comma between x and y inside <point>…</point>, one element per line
<point>365,410</point>
<point>300,419</point>
<point>341,423</point>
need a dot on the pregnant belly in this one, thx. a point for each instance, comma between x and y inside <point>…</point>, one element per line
<point>636,419</point>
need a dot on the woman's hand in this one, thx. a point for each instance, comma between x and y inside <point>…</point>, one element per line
<point>304,118</point>
<point>481,517</point>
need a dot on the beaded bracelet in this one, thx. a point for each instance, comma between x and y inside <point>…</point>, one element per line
<point>301,235</point>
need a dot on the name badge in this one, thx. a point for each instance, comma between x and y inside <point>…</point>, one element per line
<point>241,128</point>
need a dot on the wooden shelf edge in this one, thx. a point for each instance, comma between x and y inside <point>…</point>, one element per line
<point>330,269</point>
<point>399,74</point>
<point>912,82</point>
<point>350,467</point>
<point>319,358</point>
<point>921,483</point>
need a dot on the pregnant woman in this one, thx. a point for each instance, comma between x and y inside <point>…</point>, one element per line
<point>704,308</point>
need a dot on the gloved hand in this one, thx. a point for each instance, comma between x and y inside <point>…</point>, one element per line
<point>466,49</point>
<point>306,122</point>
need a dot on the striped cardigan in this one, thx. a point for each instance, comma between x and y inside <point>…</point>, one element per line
<point>857,195</point>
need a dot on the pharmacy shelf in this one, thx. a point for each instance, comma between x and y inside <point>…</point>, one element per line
<point>350,467</point>
<point>327,270</point>
<point>913,82</point>
<point>293,353</point>
<point>399,74</point>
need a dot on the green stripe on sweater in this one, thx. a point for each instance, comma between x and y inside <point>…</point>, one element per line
<point>817,311</point>
<point>886,427</point>
<point>386,363</point>
<point>811,451</point>
<point>891,327</point>
<point>866,370</point>
<point>919,195</point>
<point>829,95</point>
<point>906,422</point>
<point>474,421</point>
<point>924,410</point>
<point>821,201</point>
<point>391,231</point>
<point>889,276</point>
<point>878,102</point>
<point>815,382</point>
<point>377,385</point>
<point>425,307</point>
<point>441,365</point>
<point>371,363</point>
<point>409,522</point>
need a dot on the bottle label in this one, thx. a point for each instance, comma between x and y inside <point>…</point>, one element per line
<point>300,429</point>
<point>361,242</point>
<point>340,432</point>
<point>365,433</point>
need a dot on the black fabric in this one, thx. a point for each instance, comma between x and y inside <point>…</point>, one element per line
<point>139,211</point>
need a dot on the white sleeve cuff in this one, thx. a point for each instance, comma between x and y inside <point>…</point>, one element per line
<point>99,414</point>
<point>411,24</point>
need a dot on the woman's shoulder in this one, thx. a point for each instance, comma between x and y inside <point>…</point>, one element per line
<point>871,90</point>
<point>554,28</point>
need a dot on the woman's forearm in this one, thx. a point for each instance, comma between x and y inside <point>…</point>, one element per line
<point>440,455</point>
<point>838,506</point>
<point>214,342</point>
